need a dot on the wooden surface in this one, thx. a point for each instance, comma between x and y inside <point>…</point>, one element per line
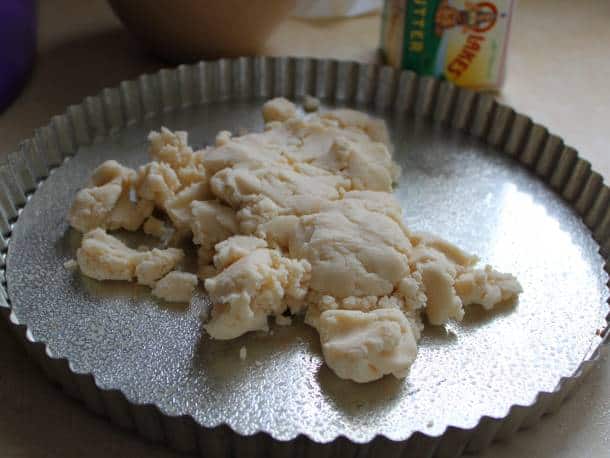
<point>559,66</point>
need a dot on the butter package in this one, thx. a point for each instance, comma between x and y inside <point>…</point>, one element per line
<point>458,40</point>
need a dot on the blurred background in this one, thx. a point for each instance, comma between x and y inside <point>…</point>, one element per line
<point>56,52</point>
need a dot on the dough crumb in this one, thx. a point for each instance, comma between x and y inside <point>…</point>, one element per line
<point>223,137</point>
<point>279,109</point>
<point>243,353</point>
<point>70,264</point>
<point>310,103</point>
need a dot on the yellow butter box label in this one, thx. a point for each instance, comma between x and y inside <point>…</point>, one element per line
<point>462,41</point>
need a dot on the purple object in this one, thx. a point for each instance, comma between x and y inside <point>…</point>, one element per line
<point>17,46</point>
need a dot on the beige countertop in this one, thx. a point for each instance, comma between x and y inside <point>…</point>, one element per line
<point>559,66</point>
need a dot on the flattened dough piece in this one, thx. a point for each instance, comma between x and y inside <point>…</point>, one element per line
<point>349,255</point>
<point>350,152</point>
<point>284,185</point>
<point>251,149</point>
<point>365,346</point>
<point>176,287</point>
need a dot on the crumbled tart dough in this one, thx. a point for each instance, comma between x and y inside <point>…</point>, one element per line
<point>176,286</point>
<point>297,219</point>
